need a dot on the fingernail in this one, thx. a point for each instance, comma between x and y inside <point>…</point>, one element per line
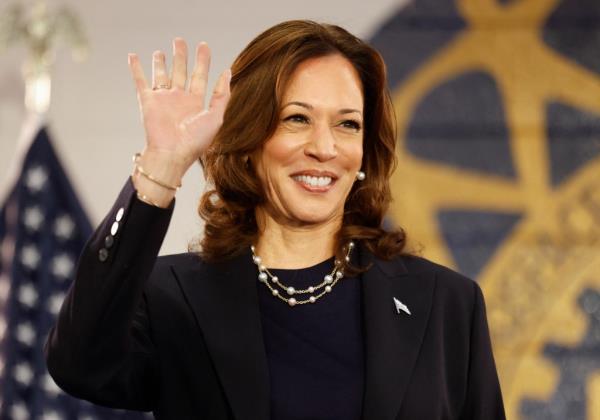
<point>175,41</point>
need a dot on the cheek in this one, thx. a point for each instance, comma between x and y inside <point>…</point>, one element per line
<point>275,156</point>
<point>353,154</point>
<point>279,150</point>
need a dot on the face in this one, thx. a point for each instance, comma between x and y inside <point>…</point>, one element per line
<point>310,163</point>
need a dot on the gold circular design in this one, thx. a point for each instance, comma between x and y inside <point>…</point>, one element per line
<point>532,282</point>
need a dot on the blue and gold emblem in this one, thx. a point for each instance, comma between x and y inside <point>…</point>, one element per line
<point>498,109</point>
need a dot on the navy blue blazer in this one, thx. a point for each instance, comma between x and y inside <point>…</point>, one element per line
<point>182,338</point>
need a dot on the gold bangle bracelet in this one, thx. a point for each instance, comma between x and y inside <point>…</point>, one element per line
<point>141,170</point>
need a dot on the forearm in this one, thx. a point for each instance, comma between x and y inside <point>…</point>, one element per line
<point>92,337</point>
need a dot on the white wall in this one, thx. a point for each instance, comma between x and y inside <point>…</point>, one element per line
<point>94,116</point>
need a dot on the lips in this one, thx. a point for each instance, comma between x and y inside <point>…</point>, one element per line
<point>315,181</point>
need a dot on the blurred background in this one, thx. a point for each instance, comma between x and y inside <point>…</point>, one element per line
<point>498,109</point>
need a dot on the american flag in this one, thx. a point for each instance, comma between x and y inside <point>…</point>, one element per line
<point>43,229</point>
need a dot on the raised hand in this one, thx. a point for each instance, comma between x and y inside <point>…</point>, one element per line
<point>178,125</point>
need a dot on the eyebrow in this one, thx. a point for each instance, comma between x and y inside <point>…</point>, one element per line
<point>310,107</point>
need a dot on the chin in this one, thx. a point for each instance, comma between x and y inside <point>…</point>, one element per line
<point>314,215</point>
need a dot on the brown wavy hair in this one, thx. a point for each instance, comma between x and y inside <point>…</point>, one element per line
<point>260,75</point>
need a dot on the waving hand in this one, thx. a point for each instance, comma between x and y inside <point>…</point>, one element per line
<point>179,126</point>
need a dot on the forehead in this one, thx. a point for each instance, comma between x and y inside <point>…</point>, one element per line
<point>331,80</point>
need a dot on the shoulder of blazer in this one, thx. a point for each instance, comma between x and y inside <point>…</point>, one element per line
<point>450,285</point>
<point>186,259</point>
<point>163,278</point>
<point>185,266</point>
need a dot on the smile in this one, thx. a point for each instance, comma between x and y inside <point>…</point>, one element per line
<point>313,181</point>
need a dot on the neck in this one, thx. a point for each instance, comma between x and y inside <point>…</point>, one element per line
<point>285,246</point>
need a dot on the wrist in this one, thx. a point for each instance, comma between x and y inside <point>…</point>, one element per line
<point>150,192</point>
<point>165,165</point>
<point>157,176</point>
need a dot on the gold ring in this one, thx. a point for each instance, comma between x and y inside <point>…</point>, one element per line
<point>161,87</point>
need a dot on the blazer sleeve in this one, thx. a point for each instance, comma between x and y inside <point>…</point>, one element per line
<point>100,348</point>
<point>484,397</point>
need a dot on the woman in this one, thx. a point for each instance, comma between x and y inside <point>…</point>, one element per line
<point>298,304</point>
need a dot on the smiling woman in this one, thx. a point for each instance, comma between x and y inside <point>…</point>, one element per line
<point>309,103</point>
<point>296,303</point>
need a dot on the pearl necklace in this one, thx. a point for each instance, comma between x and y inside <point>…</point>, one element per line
<point>330,280</point>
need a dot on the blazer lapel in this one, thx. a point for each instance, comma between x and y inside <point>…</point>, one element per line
<point>224,300</point>
<point>392,339</point>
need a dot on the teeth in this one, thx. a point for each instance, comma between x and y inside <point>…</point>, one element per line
<point>314,181</point>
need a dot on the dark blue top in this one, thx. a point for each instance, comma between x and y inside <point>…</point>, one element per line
<point>314,351</point>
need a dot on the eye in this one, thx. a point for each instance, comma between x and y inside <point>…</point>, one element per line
<point>297,118</point>
<point>351,124</point>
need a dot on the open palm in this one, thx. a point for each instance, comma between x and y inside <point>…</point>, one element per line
<point>175,118</point>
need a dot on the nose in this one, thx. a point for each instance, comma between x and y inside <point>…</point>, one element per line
<point>321,144</point>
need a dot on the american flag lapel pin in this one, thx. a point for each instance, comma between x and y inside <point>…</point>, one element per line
<point>401,306</point>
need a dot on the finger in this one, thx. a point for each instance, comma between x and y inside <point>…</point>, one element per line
<point>220,96</point>
<point>160,78</point>
<point>137,72</point>
<point>179,74</point>
<point>200,74</point>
